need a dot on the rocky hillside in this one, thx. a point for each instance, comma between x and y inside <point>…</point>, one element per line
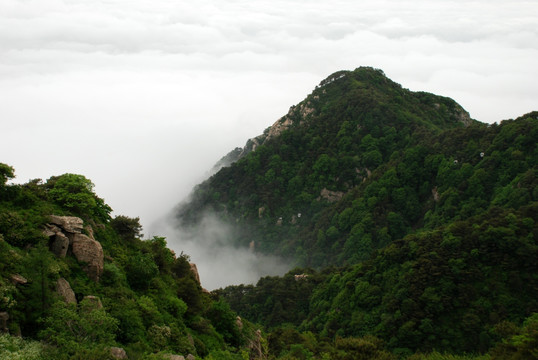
<point>78,284</point>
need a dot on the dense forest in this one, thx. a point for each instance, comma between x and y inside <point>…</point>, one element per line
<point>412,229</point>
<point>407,220</point>
<point>362,162</point>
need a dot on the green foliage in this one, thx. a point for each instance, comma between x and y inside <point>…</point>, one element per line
<point>75,193</point>
<point>79,329</point>
<point>141,270</point>
<point>368,163</point>
<point>522,345</point>
<point>225,322</point>
<point>127,228</point>
<point>152,305</point>
<point>444,289</point>
<point>6,173</point>
<point>15,348</point>
<point>432,224</point>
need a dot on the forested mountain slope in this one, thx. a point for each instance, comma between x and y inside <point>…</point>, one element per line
<point>79,284</point>
<point>362,162</point>
<point>413,226</point>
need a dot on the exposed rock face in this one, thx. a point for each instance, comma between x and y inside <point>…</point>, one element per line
<point>279,126</point>
<point>239,323</point>
<point>59,245</point>
<point>51,230</point>
<point>191,357</point>
<point>89,230</point>
<point>261,210</point>
<point>69,224</point>
<point>255,346</point>
<point>174,357</point>
<point>4,317</point>
<point>18,279</point>
<point>89,251</point>
<point>64,290</point>
<point>65,231</point>
<point>118,353</point>
<point>331,196</point>
<point>194,270</point>
<point>435,194</point>
<point>463,116</point>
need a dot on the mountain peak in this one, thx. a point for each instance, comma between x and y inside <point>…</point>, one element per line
<point>369,99</point>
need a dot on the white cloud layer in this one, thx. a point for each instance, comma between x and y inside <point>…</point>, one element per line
<point>142,96</point>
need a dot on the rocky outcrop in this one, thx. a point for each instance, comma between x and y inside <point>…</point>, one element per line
<point>65,232</point>
<point>89,251</point>
<point>174,357</point>
<point>256,347</point>
<point>435,194</point>
<point>18,279</point>
<point>70,224</point>
<point>463,116</point>
<point>194,270</point>
<point>118,353</point>
<point>261,210</point>
<point>278,127</point>
<point>64,290</point>
<point>59,245</point>
<point>331,196</point>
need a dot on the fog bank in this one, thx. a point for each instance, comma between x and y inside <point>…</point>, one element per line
<point>219,262</point>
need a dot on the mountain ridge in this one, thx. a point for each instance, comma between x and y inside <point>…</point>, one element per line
<point>304,109</point>
<point>343,136</point>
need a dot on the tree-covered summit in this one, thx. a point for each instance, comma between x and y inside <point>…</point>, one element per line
<point>362,162</point>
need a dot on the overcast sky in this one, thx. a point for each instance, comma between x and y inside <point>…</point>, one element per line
<point>143,96</point>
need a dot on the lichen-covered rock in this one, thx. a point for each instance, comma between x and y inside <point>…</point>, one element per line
<point>51,230</point>
<point>331,196</point>
<point>18,279</point>
<point>71,224</point>
<point>64,290</point>
<point>174,357</point>
<point>118,353</point>
<point>90,252</point>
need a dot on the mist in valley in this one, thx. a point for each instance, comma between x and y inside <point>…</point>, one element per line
<point>219,262</point>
